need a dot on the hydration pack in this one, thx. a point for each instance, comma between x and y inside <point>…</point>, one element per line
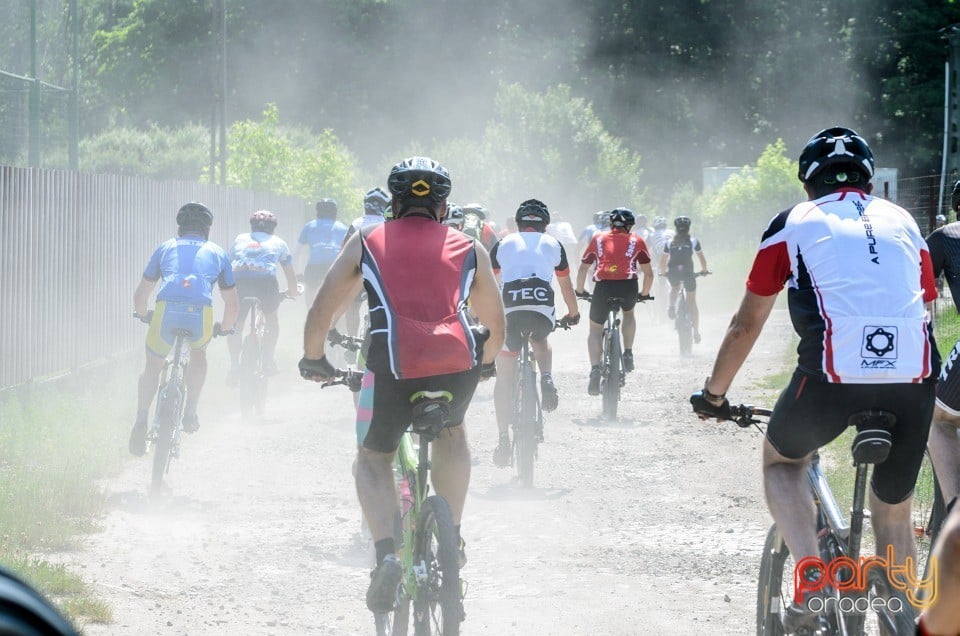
<point>473,225</point>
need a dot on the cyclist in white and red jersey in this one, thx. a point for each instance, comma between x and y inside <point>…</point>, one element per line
<point>258,256</point>
<point>618,257</point>
<point>860,285</point>
<point>526,261</point>
<point>419,275</point>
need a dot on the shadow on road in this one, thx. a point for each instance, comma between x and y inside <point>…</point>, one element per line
<point>513,491</point>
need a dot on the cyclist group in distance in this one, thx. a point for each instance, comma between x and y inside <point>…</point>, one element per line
<point>423,336</point>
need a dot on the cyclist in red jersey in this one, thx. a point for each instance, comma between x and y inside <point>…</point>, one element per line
<point>419,275</point>
<point>618,256</point>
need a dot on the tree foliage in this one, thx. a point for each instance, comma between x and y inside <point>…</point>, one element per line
<point>263,155</point>
<point>752,197</point>
<point>157,152</point>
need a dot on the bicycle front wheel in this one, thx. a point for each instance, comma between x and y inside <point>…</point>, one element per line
<point>610,390</point>
<point>775,585</point>
<point>162,451</point>
<point>437,607</point>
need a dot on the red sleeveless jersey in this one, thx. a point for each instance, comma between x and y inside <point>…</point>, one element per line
<point>616,253</point>
<point>418,274</point>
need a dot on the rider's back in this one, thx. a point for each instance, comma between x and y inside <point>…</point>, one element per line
<point>418,321</point>
<point>859,274</point>
<point>187,268</point>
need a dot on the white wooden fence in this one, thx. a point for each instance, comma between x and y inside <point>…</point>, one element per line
<point>72,249</point>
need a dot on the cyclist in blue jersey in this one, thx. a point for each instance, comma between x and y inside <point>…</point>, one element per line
<point>319,244</point>
<point>256,257</point>
<point>186,268</point>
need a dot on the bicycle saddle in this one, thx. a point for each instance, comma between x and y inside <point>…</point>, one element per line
<point>615,302</point>
<point>431,412</point>
<point>874,438</point>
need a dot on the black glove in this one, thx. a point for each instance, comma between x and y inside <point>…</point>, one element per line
<point>218,330</point>
<point>643,298</point>
<point>571,320</point>
<point>703,406</point>
<point>488,370</point>
<point>583,294</point>
<point>146,319</point>
<point>313,369</point>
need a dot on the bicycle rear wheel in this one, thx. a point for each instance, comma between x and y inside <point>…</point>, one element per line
<point>684,327</point>
<point>775,585</point>
<point>437,608</point>
<point>253,382</point>
<point>927,513</point>
<point>524,437</point>
<point>610,383</point>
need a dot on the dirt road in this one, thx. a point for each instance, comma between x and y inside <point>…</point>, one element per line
<point>652,525</point>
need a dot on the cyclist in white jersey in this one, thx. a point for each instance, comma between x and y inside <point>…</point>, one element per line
<point>860,288</point>
<point>525,262</point>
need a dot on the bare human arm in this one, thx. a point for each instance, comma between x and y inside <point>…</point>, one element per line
<point>647,272</point>
<point>486,303</point>
<point>744,329</point>
<point>343,277</point>
<point>142,294</point>
<point>582,272</point>
<point>300,257</point>
<point>703,261</point>
<point>569,296</point>
<point>292,290</point>
<point>231,308</point>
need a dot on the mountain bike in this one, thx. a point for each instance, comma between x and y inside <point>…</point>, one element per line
<point>612,374</point>
<point>164,435</point>
<point>252,378</point>
<point>425,536</point>
<point>682,321</point>
<point>849,590</point>
<point>527,420</point>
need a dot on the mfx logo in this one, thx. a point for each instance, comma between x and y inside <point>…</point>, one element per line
<point>878,364</point>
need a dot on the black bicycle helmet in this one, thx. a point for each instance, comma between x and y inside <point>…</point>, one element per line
<point>682,223</point>
<point>532,212</point>
<point>622,217</point>
<point>454,217</point>
<point>263,221</point>
<point>477,209</point>
<point>194,215</point>
<point>376,201</point>
<point>327,208</point>
<point>835,146</point>
<point>419,182</point>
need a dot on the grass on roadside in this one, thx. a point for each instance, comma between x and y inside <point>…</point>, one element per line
<point>55,443</point>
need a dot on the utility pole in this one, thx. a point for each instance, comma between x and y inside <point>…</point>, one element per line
<point>33,156</point>
<point>222,11</point>
<point>74,123</point>
<point>951,124</point>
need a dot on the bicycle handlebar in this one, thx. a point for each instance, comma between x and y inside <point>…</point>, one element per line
<point>351,378</point>
<point>217,330</point>
<point>746,415</point>
<point>349,343</point>
<point>640,297</point>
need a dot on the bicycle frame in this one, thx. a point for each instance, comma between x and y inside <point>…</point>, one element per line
<point>612,375</point>
<point>165,434</point>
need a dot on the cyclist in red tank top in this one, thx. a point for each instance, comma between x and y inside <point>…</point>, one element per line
<point>419,275</point>
<point>618,256</point>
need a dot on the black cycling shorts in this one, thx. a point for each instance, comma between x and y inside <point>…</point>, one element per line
<point>948,388</point>
<point>687,277</point>
<point>314,273</point>
<point>810,413</point>
<point>265,288</point>
<point>523,321</point>
<point>392,409</point>
<point>625,289</point>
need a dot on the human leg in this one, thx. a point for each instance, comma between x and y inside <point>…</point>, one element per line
<point>450,468</point>
<point>944,447</point>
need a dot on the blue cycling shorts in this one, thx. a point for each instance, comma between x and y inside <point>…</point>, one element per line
<point>170,316</point>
